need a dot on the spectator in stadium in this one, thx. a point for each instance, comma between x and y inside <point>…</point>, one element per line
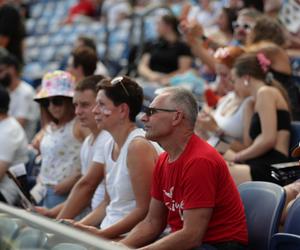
<point>243,25</point>
<point>89,190</point>
<point>85,41</point>
<point>167,56</point>
<point>270,123</point>
<point>22,106</point>
<point>82,63</point>
<point>230,119</point>
<point>61,138</point>
<point>281,70</point>
<point>187,193</point>
<point>13,147</point>
<point>129,160</point>
<point>12,30</point>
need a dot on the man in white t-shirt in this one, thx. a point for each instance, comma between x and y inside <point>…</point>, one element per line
<point>89,190</point>
<point>22,106</point>
<point>13,147</point>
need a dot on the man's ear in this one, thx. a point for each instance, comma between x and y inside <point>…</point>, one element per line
<point>177,118</point>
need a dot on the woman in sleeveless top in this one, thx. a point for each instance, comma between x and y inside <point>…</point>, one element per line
<point>129,160</point>
<point>270,123</point>
<point>230,119</point>
<point>61,138</point>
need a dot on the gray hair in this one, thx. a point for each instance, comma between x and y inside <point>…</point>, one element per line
<point>184,100</point>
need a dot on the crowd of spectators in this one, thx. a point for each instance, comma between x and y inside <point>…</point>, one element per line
<point>153,160</point>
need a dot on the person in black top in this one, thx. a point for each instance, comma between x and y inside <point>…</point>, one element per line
<point>270,124</point>
<point>166,56</point>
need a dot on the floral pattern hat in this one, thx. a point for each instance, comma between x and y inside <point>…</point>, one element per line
<point>56,83</point>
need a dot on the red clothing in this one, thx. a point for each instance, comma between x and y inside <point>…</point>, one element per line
<point>200,178</point>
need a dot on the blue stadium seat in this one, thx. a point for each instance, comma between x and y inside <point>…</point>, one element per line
<point>30,238</point>
<point>263,202</point>
<point>284,241</point>
<point>292,222</point>
<point>68,246</point>
<point>295,134</point>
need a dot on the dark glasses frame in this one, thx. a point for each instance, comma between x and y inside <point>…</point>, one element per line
<point>245,26</point>
<point>56,101</point>
<point>119,79</point>
<point>151,111</point>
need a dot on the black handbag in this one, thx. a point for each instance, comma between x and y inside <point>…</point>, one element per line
<point>286,173</point>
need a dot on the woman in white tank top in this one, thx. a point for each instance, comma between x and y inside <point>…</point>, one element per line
<point>61,138</point>
<point>129,160</point>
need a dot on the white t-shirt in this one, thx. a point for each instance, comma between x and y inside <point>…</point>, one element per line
<point>94,151</point>
<point>13,150</point>
<point>13,142</point>
<point>117,181</point>
<point>22,105</point>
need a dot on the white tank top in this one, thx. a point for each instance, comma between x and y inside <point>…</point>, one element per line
<point>60,152</point>
<point>118,184</point>
<point>232,124</point>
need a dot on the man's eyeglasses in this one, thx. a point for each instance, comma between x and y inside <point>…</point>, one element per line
<point>151,111</point>
<point>245,26</point>
<point>56,101</point>
<point>119,79</point>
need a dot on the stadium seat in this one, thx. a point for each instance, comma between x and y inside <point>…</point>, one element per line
<point>295,134</point>
<point>30,238</point>
<point>292,222</point>
<point>284,241</point>
<point>68,246</point>
<point>263,202</point>
<point>9,229</point>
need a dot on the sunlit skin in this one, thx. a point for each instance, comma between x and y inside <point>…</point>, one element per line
<point>58,112</point>
<point>84,102</point>
<point>103,110</point>
<point>153,129</point>
<point>240,33</point>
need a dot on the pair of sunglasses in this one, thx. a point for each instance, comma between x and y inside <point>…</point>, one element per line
<point>245,26</point>
<point>151,111</point>
<point>117,80</point>
<point>56,101</point>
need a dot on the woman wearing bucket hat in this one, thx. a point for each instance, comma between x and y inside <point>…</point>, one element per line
<point>61,139</point>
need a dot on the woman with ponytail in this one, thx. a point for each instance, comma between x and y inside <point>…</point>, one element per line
<point>270,123</point>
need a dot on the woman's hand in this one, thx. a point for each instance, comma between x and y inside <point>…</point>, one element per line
<point>230,155</point>
<point>207,122</point>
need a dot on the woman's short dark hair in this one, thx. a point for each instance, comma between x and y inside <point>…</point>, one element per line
<point>124,89</point>
<point>172,21</point>
<point>4,100</point>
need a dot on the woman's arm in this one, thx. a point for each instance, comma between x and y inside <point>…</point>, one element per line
<point>266,109</point>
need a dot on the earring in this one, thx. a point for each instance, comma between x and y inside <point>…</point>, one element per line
<point>246,82</point>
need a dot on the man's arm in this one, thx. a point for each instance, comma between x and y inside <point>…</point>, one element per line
<point>82,193</point>
<point>190,236</point>
<point>150,228</point>
<point>3,168</point>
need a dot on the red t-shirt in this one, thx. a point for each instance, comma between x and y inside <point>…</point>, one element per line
<point>200,178</point>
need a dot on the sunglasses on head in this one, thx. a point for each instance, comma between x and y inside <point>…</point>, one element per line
<point>56,101</point>
<point>119,79</point>
<point>151,111</point>
<point>245,26</point>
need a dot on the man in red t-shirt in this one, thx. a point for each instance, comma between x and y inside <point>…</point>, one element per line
<point>192,190</point>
